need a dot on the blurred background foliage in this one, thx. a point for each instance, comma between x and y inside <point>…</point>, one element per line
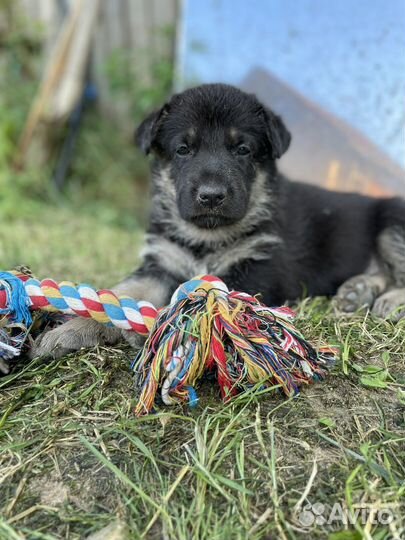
<point>106,165</point>
<point>100,213</point>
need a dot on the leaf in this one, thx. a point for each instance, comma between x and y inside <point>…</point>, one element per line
<point>373,370</point>
<point>232,484</point>
<point>357,367</point>
<point>328,422</point>
<point>54,382</point>
<point>385,358</point>
<point>373,381</point>
<point>374,376</point>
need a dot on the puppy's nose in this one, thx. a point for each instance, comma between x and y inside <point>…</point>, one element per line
<point>211,196</point>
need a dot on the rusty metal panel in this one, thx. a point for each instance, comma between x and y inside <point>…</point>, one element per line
<point>335,71</point>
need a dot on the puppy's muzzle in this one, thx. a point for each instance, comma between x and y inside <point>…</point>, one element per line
<point>211,197</point>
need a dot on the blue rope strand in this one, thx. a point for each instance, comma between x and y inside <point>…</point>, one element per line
<point>18,301</point>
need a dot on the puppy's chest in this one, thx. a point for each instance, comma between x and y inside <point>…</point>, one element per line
<point>184,262</point>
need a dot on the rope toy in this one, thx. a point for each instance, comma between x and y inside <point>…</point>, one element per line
<point>205,327</point>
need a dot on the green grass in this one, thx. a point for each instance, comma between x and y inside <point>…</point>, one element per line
<point>74,459</point>
<point>63,243</point>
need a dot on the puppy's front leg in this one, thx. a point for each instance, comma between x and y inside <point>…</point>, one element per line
<point>83,333</point>
<point>73,335</point>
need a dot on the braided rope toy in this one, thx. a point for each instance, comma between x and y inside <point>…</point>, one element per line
<point>205,327</point>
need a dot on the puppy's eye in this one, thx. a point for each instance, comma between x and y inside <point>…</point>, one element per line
<point>243,150</point>
<point>183,150</point>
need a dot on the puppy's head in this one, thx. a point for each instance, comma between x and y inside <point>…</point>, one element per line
<point>214,140</point>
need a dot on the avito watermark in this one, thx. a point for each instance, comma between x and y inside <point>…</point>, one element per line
<point>319,514</point>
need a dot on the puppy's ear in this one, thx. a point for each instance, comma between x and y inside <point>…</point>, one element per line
<point>146,132</point>
<point>278,135</point>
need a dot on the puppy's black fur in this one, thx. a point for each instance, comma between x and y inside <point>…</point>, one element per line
<point>217,138</point>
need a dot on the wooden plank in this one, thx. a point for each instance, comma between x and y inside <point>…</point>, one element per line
<point>132,26</point>
<point>70,85</point>
<point>49,81</point>
<point>30,9</point>
<point>113,28</point>
<point>137,15</point>
<point>140,24</point>
<point>125,23</point>
<point>100,55</point>
<point>167,25</point>
<point>111,39</point>
<point>47,12</point>
<point>164,13</point>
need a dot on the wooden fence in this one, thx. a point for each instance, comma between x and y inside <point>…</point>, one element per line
<point>133,26</point>
<point>84,36</point>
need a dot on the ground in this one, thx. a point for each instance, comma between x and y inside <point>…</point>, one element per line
<point>75,460</point>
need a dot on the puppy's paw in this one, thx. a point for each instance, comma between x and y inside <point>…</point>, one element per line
<point>390,305</point>
<point>4,367</point>
<point>135,340</point>
<point>355,293</point>
<point>71,336</point>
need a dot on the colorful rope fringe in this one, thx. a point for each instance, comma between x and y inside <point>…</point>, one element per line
<point>204,328</point>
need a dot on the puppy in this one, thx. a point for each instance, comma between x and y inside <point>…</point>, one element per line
<point>220,206</point>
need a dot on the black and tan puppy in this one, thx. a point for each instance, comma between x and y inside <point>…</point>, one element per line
<point>219,206</point>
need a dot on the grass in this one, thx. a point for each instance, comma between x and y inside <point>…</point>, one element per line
<point>74,459</point>
<point>66,244</point>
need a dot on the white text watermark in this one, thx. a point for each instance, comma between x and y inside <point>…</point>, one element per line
<point>338,514</point>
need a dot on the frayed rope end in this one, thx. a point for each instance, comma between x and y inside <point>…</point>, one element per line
<point>207,328</point>
<point>15,317</point>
